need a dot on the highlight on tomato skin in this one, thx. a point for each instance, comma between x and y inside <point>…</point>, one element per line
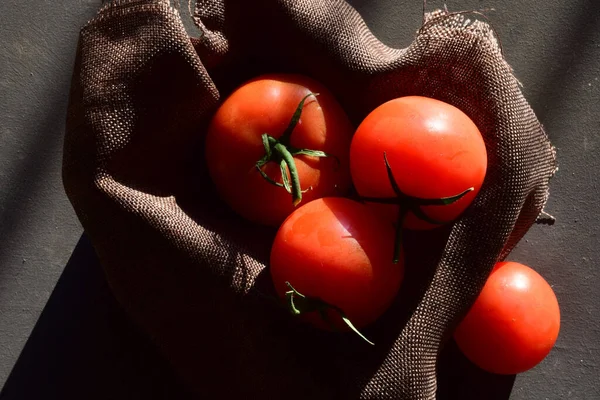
<point>337,251</point>
<point>434,151</point>
<point>514,323</point>
<point>260,114</point>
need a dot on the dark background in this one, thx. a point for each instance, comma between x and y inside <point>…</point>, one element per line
<point>62,335</point>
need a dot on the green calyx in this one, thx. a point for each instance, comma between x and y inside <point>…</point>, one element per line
<point>299,304</point>
<point>282,152</point>
<point>410,204</point>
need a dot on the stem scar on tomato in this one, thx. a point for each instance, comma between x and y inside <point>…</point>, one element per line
<point>410,204</point>
<point>282,152</point>
<point>299,304</point>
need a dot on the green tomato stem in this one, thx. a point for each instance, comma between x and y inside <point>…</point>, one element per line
<point>411,204</point>
<point>281,151</point>
<point>286,135</point>
<point>299,304</point>
<point>402,213</point>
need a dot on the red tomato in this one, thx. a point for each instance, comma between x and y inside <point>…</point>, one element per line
<point>337,250</point>
<point>434,150</point>
<point>514,323</point>
<point>266,104</point>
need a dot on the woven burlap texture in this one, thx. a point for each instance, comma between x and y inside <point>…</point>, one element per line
<point>192,274</point>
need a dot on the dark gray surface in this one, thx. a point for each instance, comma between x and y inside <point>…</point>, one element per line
<point>554,49</point>
<point>38,228</point>
<point>85,347</point>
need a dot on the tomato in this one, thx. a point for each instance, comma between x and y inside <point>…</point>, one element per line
<point>434,151</point>
<point>513,324</point>
<point>337,251</point>
<point>266,105</point>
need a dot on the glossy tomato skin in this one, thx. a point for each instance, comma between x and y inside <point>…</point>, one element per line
<point>336,250</point>
<point>266,105</point>
<point>513,324</point>
<point>434,149</point>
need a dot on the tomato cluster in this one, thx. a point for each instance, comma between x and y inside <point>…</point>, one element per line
<point>282,152</point>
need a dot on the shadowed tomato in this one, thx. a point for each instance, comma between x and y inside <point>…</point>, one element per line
<point>258,114</point>
<point>434,151</point>
<point>336,251</point>
<point>514,322</point>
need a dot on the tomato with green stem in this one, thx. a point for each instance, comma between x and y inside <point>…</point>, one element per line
<point>513,324</point>
<point>418,161</point>
<point>275,141</point>
<point>330,261</point>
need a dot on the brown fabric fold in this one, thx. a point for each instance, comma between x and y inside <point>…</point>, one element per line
<point>193,275</point>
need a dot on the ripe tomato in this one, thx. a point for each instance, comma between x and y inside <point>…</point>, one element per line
<point>434,150</point>
<point>337,250</point>
<point>266,105</point>
<point>514,322</point>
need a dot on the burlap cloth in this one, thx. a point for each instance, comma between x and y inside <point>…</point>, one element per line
<point>192,274</point>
